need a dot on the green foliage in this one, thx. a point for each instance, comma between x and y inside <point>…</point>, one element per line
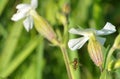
<point>105,75</point>
<point>27,55</point>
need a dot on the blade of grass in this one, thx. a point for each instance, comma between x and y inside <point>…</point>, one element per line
<point>21,57</point>
<point>10,44</point>
<point>40,60</point>
<point>29,72</point>
<point>3,32</point>
<point>35,67</point>
<point>3,3</point>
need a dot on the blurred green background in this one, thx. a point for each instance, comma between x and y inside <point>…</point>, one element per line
<point>27,55</point>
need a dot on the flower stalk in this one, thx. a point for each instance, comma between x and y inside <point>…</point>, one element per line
<point>63,17</point>
<point>67,62</point>
<point>108,59</point>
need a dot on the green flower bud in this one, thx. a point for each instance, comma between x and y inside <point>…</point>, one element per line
<point>117,42</point>
<point>117,64</point>
<point>111,65</point>
<point>114,64</point>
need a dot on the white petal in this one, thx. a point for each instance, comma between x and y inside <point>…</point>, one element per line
<point>18,16</point>
<point>24,9</point>
<point>28,23</point>
<point>34,3</point>
<point>74,44</point>
<point>101,40</point>
<point>78,31</point>
<point>22,6</point>
<point>108,29</point>
<point>21,14</point>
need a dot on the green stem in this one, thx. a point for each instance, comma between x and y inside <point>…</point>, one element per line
<point>67,62</point>
<point>72,56</point>
<point>109,57</point>
<point>65,33</point>
<point>64,50</point>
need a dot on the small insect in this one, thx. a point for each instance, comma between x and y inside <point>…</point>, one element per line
<point>75,63</point>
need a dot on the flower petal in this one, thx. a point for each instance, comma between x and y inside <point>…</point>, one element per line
<point>79,31</point>
<point>101,40</point>
<point>21,13</point>
<point>34,3</point>
<point>108,29</point>
<point>28,23</point>
<point>17,16</point>
<point>22,6</point>
<point>74,44</point>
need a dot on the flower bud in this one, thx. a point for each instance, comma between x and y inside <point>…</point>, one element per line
<point>114,64</point>
<point>116,44</point>
<point>117,64</point>
<point>43,27</point>
<point>95,51</point>
<point>63,16</point>
<point>66,8</point>
<point>111,65</point>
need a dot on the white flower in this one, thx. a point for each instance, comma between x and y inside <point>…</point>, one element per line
<point>74,44</point>
<point>24,11</point>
